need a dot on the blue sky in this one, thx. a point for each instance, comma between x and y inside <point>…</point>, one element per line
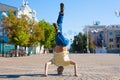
<point>78,13</point>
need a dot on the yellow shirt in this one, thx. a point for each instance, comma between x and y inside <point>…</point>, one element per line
<point>61,59</point>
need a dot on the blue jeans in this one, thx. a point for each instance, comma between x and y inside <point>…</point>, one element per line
<point>59,38</point>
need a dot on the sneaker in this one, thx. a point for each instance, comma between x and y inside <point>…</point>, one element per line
<point>61,7</point>
<point>56,27</point>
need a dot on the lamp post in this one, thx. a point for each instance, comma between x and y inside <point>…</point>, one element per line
<point>88,51</point>
<point>33,14</point>
<point>117,13</point>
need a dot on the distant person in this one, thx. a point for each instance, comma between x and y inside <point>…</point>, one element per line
<point>61,57</point>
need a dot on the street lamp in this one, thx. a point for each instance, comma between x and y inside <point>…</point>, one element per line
<point>33,14</point>
<point>88,40</point>
<point>117,13</point>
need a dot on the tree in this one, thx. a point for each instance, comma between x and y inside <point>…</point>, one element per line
<point>36,35</point>
<point>84,42</point>
<point>49,34</point>
<point>26,32</point>
<point>92,45</point>
<point>79,43</point>
<point>16,29</point>
<point>22,31</point>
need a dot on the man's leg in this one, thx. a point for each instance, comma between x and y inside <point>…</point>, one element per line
<point>60,39</point>
<point>58,26</point>
<point>60,17</point>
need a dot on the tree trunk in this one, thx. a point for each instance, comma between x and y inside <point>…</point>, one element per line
<point>16,51</point>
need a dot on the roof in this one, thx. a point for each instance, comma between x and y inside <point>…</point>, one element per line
<point>4,7</point>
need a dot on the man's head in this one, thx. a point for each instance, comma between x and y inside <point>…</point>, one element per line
<point>60,70</point>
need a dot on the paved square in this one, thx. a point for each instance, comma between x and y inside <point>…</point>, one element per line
<point>90,67</point>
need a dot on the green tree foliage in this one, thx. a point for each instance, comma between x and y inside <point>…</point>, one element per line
<point>79,43</point>
<point>23,31</point>
<point>26,32</point>
<point>49,34</point>
<point>36,35</point>
<point>16,29</point>
<point>92,45</point>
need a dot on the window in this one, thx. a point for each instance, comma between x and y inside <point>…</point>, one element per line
<point>112,26</point>
<point>110,33</point>
<point>111,40</point>
<point>117,33</point>
<point>117,39</point>
<point>117,26</point>
<point>118,46</point>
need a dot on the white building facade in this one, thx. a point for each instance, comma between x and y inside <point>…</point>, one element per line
<point>26,10</point>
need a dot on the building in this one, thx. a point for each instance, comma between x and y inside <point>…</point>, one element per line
<point>26,10</point>
<point>113,38</point>
<point>4,48</point>
<point>106,38</point>
<point>96,33</point>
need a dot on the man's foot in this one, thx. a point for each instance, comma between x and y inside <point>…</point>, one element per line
<point>56,27</point>
<point>62,7</point>
<point>60,70</point>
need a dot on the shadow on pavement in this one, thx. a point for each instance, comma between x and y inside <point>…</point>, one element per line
<point>19,75</point>
<point>29,75</point>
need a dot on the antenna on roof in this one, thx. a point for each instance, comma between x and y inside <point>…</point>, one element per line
<point>96,22</point>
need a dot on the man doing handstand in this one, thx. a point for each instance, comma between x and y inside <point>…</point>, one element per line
<point>61,57</point>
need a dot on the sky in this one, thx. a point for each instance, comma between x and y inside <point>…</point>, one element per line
<point>78,13</point>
